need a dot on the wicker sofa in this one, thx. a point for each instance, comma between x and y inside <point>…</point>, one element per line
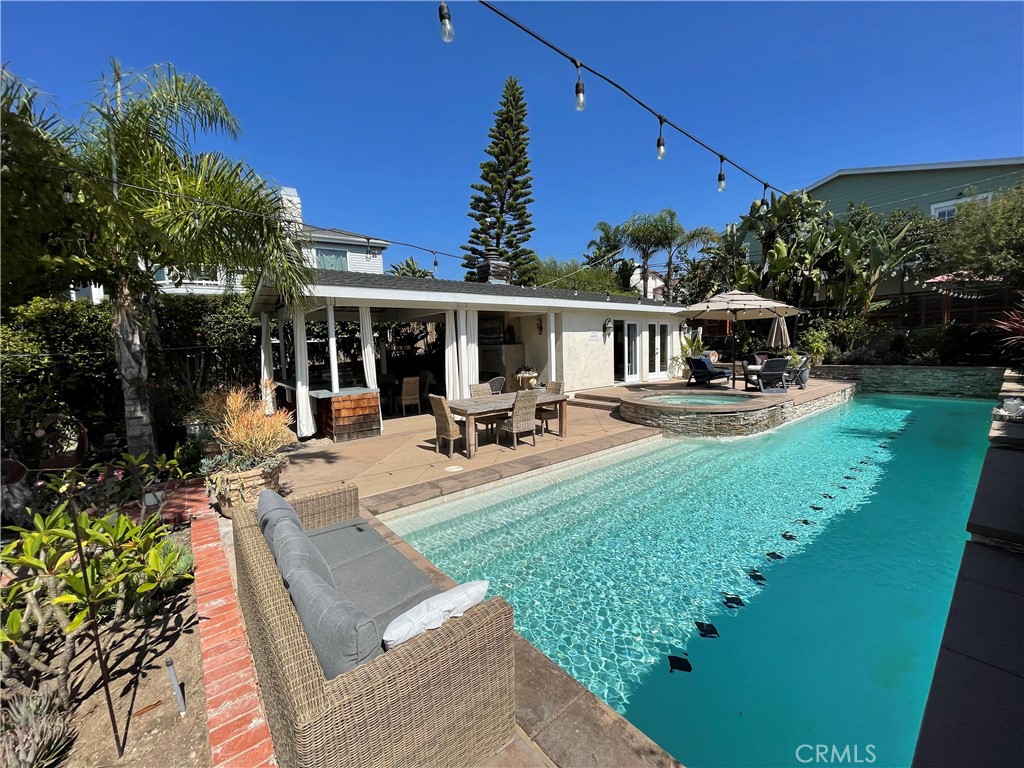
<point>444,698</point>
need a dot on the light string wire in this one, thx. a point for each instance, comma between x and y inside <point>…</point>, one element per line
<point>723,158</point>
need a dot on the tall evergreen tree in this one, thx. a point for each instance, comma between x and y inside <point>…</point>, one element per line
<point>500,206</point>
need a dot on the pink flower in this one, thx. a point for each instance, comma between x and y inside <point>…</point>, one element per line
<point>119,474</point>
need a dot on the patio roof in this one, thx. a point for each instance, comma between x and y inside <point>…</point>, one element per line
<point>359,289</point>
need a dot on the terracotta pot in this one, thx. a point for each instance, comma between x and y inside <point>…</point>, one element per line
<point>240,488</point>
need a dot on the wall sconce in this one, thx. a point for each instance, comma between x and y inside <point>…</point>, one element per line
<point>540,326</point>
<point>609,326</point>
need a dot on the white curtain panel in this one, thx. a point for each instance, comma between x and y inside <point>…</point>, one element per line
<point>452,386</point>
<point>552,352</point>
<point>266,364</point>
<point>304,424</point>
<point>472,348</point>
<point>369,366</point>
<point>463,356</point>
<point>332,347</point>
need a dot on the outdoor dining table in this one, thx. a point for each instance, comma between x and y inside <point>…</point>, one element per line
<point>471,408</point>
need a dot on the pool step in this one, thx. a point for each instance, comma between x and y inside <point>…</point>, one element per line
<point>597,402</point>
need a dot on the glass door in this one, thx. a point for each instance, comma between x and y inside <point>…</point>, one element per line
<point>657,350</point>
<point>632,342</point>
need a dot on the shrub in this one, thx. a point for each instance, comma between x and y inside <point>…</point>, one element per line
<point>249,437</point>
<point>34,732</point>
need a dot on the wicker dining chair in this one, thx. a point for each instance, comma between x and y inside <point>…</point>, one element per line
<point>523,417</point>
<point>447,427</point>
<point>489,423</point>
<point>497,384</point>
<point>546,413</point>
<point>410,393</point>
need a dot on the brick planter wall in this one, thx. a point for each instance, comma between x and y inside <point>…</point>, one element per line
<point>917,379</point>
<point>238,732</point>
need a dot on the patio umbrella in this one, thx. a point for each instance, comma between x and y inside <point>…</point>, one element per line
<point>737,305</point>
<point>778,336</point>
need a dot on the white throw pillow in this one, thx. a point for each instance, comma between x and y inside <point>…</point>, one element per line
<point>432,612</point>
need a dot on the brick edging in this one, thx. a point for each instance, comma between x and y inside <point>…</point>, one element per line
<point>236,724</point>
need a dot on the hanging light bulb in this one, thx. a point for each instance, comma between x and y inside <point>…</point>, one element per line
<point>447,30</point>
<point>69,193</point>
<point>581,99</point>
<point>198,222</point>
<point>721,173</point>
<point>661,138</point>
<point>764,199</point>
<point>435,261</point>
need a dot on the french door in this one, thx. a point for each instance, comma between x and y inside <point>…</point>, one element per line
<point>658,351</point>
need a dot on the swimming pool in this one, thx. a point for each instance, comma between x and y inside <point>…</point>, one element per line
<point>608,569</point>
<point>698,399</point>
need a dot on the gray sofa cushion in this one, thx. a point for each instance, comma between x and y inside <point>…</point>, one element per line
<point>342,635</point>
<point>380,580</point>
<point>346,541</point>
<point>384,618</point>
<point>296,551</point>
<point>270,510</point>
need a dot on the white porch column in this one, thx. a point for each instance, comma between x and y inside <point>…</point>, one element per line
<point>282,349</point>
<point>266,365</point>
<point>304,424</point>
<point>452,381</point>
<point>369,367</point>
<point>332,345</point>
<point>552,373</point>
<point>463,356</point>
<point>472,348</point>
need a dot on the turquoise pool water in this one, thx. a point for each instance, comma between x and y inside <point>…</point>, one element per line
<point>698,399</point>
<point>608,569</point>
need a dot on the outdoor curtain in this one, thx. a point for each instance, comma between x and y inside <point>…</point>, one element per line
<point>452,384</point>
<point>472,353</point>
<point>369,362</point>
<point>304,424</point>
<point>266,365</point>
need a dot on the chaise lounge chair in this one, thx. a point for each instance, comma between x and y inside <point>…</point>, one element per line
<point>703,372</point>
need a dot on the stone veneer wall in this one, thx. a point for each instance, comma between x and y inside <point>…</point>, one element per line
<point>735,424</point>
<point>917,379</point>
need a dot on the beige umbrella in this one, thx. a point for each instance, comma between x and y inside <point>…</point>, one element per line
<point>737,305</point>
<point>778,336</point>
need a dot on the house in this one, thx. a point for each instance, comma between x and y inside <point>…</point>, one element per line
<point>583,339</point>
<point>934,188</point>
<point>326,249</point>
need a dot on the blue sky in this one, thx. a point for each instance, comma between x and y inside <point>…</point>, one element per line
<point>381,126</point>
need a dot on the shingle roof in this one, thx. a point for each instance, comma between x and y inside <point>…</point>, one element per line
<point>421,284</point>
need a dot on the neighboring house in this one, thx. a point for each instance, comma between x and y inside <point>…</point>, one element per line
<point>934,188</point>
<point>655,283</point>
<point>327,249</point>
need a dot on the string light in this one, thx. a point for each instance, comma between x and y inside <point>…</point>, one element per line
<point>764,199</point>
<point>69,193</point>
<point>445,16</point>
<point>721,173</point>
<point>196,220</point>
<point>626,92</point>
<point>581,99</point>
<point>661,138</point>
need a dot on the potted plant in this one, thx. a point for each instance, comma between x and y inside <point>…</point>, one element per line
<point>526,376</point>
<point>250,458</point>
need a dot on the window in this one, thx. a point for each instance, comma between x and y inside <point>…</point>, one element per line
<point>945,211</point>
<point>332,258</point>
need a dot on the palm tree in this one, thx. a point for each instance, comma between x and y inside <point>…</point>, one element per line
<point>682,240</point>
<point>606,247</point>
<point>648,233</point>
<point>156,201</point>
<point>409,268</point>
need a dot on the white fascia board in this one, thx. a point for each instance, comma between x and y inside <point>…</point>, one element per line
<point>376,297</point>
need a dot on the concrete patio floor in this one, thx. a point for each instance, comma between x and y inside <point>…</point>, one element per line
<point>404,454</point>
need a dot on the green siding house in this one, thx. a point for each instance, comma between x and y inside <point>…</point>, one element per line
<point>935,188</point>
